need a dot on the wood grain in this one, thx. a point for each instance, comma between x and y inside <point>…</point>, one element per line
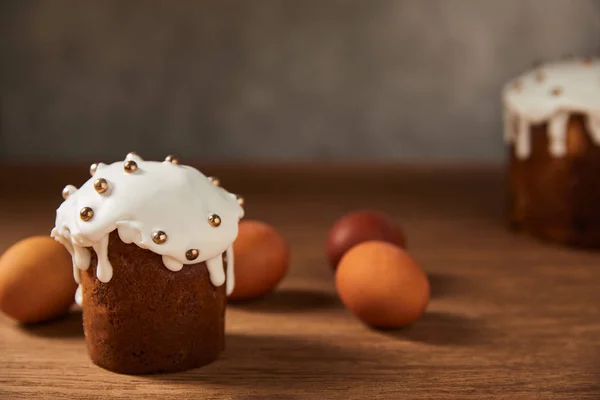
<point>510,317</point>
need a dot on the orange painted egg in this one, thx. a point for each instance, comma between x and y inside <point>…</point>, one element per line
<point>382,285</point>
<point>262,258</point>
<point>36,280</point>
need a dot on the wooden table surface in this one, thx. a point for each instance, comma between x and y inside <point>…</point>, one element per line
<point>510,317</point>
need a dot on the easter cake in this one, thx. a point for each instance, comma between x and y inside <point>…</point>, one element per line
<point>552,127</point>
<point>151,244</point>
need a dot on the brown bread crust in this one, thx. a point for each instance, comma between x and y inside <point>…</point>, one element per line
<point>149,319</point>
<point>557,198</point>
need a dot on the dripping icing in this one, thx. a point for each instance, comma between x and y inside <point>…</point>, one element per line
<point>533,102</point>
<point>557,133</point>
<point>230,274</point>
<point>522,139</point>
<point>593,125</point>
<point>215,270</point>
<point>158,196</point>
<point>78,296</point>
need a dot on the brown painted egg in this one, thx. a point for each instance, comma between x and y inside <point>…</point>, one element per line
<point>382,285</point>
<point>262,258</point>
<point>36,280</point>
<point>358,227</point>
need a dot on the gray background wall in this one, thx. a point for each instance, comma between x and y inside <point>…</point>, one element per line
<point>304,80</point>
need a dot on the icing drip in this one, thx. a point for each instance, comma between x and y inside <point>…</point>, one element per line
<point>172,264</point>
<point>557,133</point>
<point>104,270</point>
<point>593,125</point>
<point>78,296</point>
<point>193,213</point>
<point>550,95</point>
<point>523,140</point>
<point>230,277</point>
<point>82,257</point>
<point>215,270</point>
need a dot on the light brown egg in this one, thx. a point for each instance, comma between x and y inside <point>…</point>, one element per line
<point>36,280</point>
<point>262,257</point>
<point>382,285</point>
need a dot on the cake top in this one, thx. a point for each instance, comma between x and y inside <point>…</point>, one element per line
<point>170,209</point>
<point>569,85</point>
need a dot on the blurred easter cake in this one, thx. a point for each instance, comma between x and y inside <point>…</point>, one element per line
<point>552,128</point>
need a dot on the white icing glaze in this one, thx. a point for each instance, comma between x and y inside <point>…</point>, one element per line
<point>523,139</point>
<point>159,196</point>
<point>230,273</point>
<point>593,125</point>
<point>78,296</point>
<point>557,133</point>
<point>550,94</point>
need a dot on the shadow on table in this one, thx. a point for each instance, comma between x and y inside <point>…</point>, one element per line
<point>69,325</point>
<point>290,300</point>
<point>444,330</point>
<point>277,362</point>
<point>270,361</point>
<point>444,285</point>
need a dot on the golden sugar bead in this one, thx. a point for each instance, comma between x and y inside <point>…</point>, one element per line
<point>214,180</point>
<point>101,185</point>
<point>192,254</point>
<point>130,166</point>
<point>67,191</point>
<point>172,159</point>
<point>159,237</point>
<point>240,200</point>
<point>93,168</point>
<point>557,91</point>
<point>587,61</point>
<point>86,213</point>
<point>214,220</point>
